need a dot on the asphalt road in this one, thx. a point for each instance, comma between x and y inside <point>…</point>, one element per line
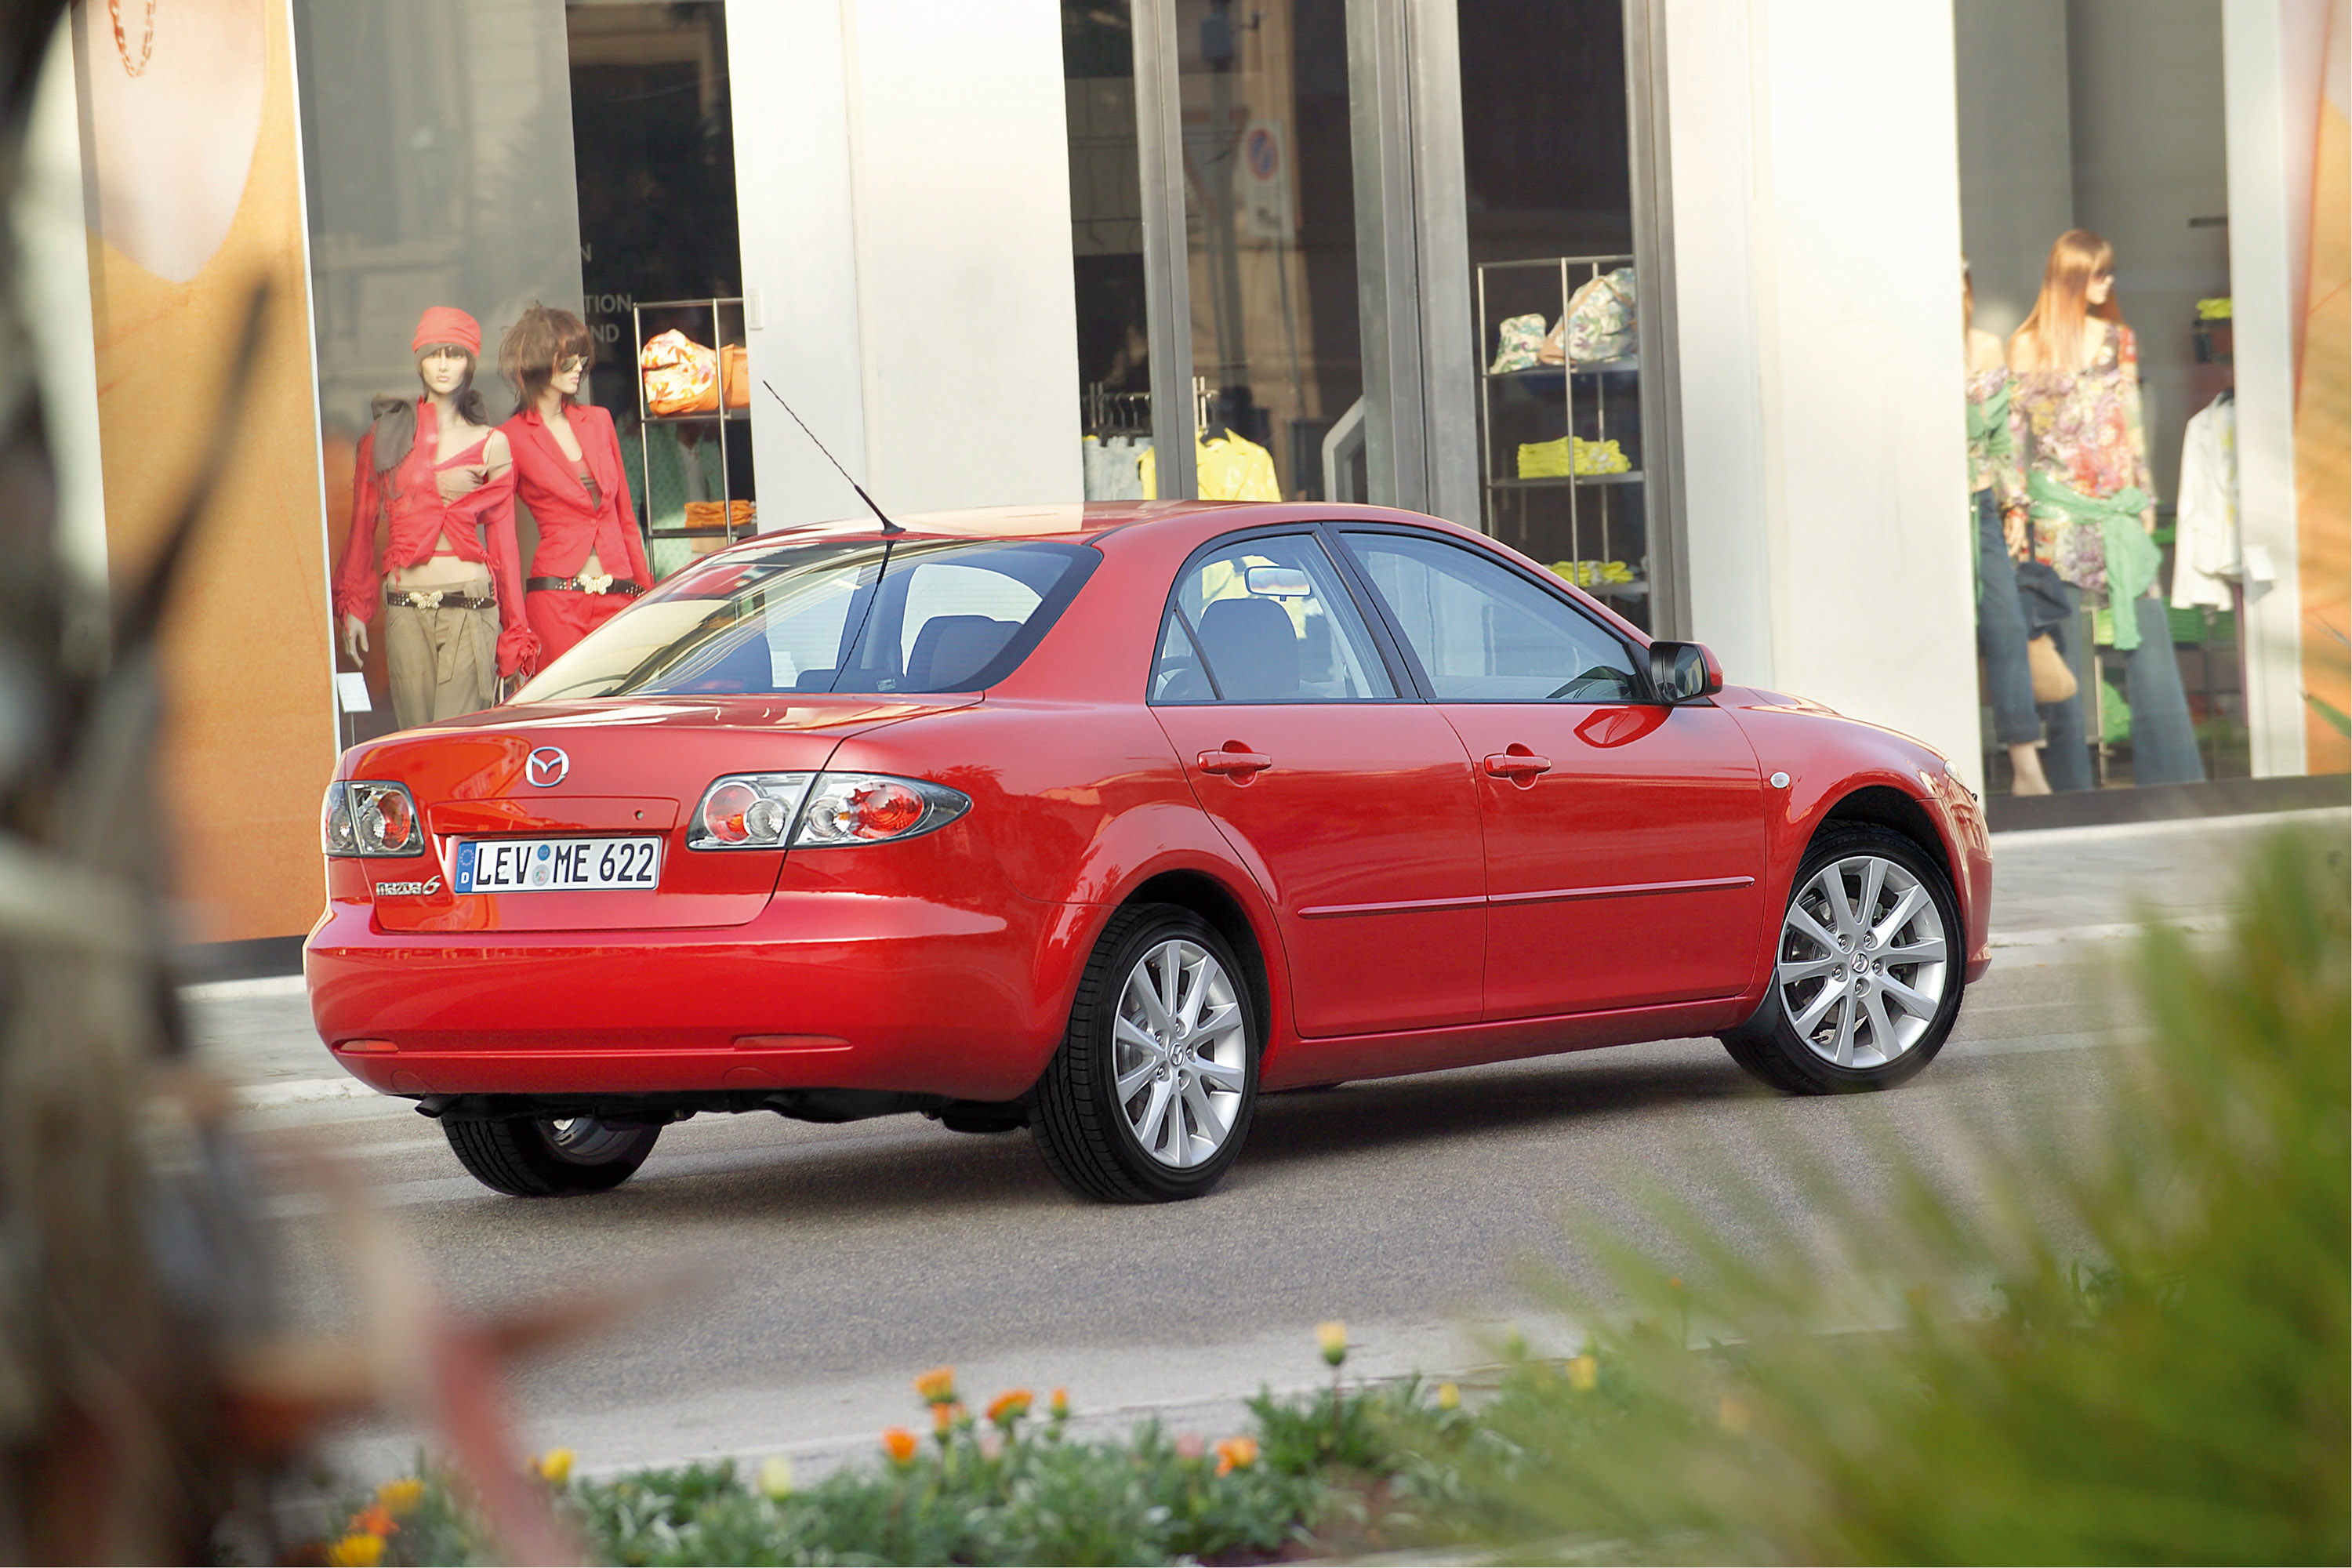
<point>836,1262</point>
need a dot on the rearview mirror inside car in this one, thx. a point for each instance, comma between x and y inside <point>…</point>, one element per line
<point>1278,583</point>
<point>1683,672</point>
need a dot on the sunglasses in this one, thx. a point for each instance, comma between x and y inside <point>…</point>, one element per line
<point>570,362</point>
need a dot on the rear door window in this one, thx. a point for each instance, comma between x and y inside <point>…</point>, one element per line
<point>1265,619</point>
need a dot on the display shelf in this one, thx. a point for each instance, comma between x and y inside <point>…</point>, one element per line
<point>1558,482</point>
<point>1630,365</point>
<point>720,310</point>
<point>1560,516</point>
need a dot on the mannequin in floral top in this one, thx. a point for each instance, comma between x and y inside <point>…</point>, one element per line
<point>2079,479</point>
<point>2001,631</point>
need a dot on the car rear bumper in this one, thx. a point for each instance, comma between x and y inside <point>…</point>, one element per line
<point>898,994</point>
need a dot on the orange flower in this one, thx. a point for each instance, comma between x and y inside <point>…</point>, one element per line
<point>1060,1404</point>
<point>374,1521</point>
<point>945,1417</point>
<point>1235,1454</point>
<point>899,1444</point>
<point>1008,1408</point>
<point>937,1386</point>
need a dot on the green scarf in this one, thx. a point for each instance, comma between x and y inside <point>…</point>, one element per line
<point>2133,558</point>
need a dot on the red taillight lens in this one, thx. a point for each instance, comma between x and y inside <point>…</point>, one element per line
<point>396,819</point>
<point>884,811</point>
<point>373,818</point>
<point>723,809</point>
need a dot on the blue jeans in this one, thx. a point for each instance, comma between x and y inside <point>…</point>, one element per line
<point>2001,633</point>
<point>2163,741</point>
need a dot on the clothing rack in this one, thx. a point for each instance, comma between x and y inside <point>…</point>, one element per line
<point>1104,412</point>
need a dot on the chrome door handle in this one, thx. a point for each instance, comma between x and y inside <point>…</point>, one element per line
<point>1245,764</point>
<point>1519,765</point>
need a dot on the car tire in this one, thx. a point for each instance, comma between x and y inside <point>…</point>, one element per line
<point>1868,968</point>
<point>527,1158</point>
<point>1188,1055</point>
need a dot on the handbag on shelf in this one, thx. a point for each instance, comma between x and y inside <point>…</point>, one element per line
<point>681,376</point>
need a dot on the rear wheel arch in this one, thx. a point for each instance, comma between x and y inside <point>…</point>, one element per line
<point>1214,902</point>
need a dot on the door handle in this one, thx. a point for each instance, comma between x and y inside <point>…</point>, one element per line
<point>1519,765</point>
<point>1245,764</point>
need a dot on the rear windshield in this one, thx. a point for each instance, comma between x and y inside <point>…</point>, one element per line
<point>892,616</point>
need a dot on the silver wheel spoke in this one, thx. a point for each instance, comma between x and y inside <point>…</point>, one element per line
<point>1873,883</point>
<point>1216,1021</point>
<point>1155,1011</point>
<point>1842,1053</point>
<point>1810,1018</point>
<point>1831,883</point>
<point>1881,1028</point>
<point>1127,1031</point>
<point>1218,1076</point>
<point>1130,1083</point>
<point>1211,1125</point>
<point>1150,1125</point>
<point>1910,1001</point>
<point>1795,969</point>
<point>1926,951</point>
<point>1914,900</point>
<point>1803,921</point>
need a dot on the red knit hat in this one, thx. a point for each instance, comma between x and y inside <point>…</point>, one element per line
<point>447,324</point>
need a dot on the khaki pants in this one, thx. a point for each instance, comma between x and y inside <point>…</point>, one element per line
<point>442,662</point>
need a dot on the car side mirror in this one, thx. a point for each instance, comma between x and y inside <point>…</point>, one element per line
<point>1683,672</point>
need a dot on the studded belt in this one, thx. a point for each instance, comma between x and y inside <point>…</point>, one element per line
<point>434,599</point>
<point>582,585</point>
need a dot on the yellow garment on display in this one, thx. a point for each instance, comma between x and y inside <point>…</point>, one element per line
<point>1572,453</point>
<point>1590,573</point>
<point>1230,468</point>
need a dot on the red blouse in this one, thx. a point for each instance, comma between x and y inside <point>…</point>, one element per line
<point>572,523</point>
<point>429,507</point>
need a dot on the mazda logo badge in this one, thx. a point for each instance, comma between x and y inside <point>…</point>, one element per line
<point>548,765</point>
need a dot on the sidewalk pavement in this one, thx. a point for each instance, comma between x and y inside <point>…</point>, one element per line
<point>2055,885</point>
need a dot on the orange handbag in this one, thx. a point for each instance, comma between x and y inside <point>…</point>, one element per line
<point>735,375</point>
<point>681,376</point>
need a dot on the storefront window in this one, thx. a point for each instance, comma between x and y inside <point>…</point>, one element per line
<point>466,160</point>
<point>1544,129</point>
<point>2096,218</point>
<point>1107,247</point>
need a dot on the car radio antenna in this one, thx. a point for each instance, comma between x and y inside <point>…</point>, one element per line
<point>887,526</point>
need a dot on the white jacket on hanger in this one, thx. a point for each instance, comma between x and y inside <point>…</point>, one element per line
<point>2205,538</point>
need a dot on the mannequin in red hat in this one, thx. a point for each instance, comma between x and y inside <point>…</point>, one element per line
<point>591,560</point>
<point>440,481</point>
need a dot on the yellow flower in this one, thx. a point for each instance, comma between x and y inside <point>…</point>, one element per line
<point>1008,1408</point>
<point>1583,1374</point>
<point>1060,1404</point>
<point>776,1478</point>
<point>555,1468</point>
<point>937,1386</point>
<point>1449,1396</point>
<point>356,1552</point>
<point>899,1444</point>
<point>1333,1338</point>
<point>1733,1416</point>
<point>401,1496</point>
<point>1235,1454</point>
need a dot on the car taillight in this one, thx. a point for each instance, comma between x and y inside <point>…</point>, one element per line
<point>748,811</point>
<point>768,811</point>
<point>367,817</point>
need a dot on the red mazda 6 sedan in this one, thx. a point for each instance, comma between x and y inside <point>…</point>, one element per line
<point>1105,822</point>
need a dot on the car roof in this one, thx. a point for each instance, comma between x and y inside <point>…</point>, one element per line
<point>1069,519</point>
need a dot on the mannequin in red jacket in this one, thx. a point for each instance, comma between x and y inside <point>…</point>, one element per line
<point>435,478</point>
<point>591,560</point>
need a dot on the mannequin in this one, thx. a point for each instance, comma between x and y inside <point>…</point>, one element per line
<point>2080,486</point>
<point>591,560</point>
<point>441,480</point>
<point>2001,618</point>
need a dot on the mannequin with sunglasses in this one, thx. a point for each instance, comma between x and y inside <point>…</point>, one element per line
<point>591,560</point>
<point>2079,484</point>
<point>439,481</point>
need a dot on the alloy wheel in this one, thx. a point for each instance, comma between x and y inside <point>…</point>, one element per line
<point>1181,1053</point>
<point>1862,961</point>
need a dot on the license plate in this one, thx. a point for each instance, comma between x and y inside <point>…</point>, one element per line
<point>556,865</point>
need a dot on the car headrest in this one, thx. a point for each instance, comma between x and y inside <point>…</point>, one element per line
<point>1252,649</point>
<point>951,649</point>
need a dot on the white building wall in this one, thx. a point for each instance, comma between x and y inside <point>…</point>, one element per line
<point>902,179</point>
<point>1817,252</point>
